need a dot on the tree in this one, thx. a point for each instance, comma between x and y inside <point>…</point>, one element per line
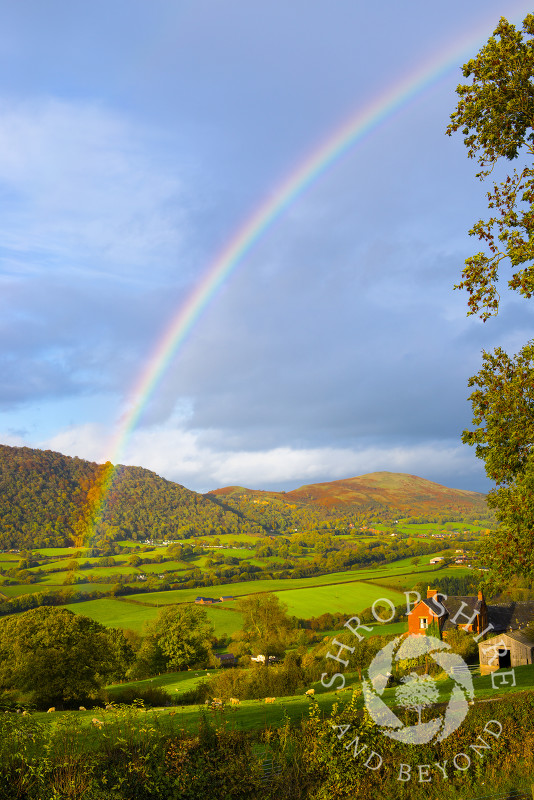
<point>55,656</point>
<point>267,628</point>
<point>495,113</point>
<point>179,638</point>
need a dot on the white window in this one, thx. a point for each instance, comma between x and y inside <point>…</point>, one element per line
<point>423,622</point>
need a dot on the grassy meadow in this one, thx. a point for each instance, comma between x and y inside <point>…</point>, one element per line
<point>345,591</point>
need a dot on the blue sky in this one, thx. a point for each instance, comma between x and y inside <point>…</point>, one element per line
<point>135,140</point>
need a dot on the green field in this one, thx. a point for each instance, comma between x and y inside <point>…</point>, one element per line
<point>284,585</point>
<point>116,614</point>
<point>405,582</point>
<point>256,714</point>
<point>343,597</point>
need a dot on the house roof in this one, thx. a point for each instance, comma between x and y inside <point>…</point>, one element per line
<point>505,616</point>
<point>454,604</point>
<point>431,604</point>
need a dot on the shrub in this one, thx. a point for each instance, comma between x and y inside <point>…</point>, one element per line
<point>150,695</point>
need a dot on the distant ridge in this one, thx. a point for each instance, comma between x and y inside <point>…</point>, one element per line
<point>405,493</point>
<point>45,502</point>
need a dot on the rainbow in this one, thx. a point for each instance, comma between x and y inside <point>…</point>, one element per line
<point>321,159</point>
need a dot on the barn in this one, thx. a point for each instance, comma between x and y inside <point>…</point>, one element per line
<point>513,649</point>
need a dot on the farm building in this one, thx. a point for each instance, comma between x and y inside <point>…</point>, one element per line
<point>226,659</point>
<point>513,649</point>
<point>459,610</point>
<point>206,601</point>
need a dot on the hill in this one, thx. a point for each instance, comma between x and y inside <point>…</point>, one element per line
<point>406,495</point>
<point>46,498</point>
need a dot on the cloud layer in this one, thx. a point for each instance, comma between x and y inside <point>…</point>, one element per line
<point>337,346</point>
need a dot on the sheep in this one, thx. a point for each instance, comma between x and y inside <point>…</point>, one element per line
<point>234,701</point>
<point>96,722</point>
<point>270,699</point>
<point>216,701</point>
<point>310,692</point>
<point>82,708</point>
<point>109,707</point>
<point>50,710</point>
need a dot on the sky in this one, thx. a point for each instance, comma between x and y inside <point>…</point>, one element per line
<point>138,140</point>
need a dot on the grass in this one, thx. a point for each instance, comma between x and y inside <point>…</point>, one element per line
<point>284,585</point>
<point>19,589</point>
<point>342,597</point>
<point>256,714</point>
<point>407,581</point>
<point>171,681</point>
<point>116,614</point>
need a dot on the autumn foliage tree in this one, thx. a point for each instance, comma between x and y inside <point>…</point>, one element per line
<point>55,657</point>
<point>495,114</point>
<point>267,629</point>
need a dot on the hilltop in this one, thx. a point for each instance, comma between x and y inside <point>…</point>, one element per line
<point>47,498</point>
<point>407,495</point>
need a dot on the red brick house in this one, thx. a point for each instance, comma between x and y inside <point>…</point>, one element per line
<point>469,613</point>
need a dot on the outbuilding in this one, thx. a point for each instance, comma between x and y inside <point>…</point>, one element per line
<point>513,649</point>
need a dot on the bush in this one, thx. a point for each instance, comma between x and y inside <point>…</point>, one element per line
<point>150,695</point>
<point>259,681</point>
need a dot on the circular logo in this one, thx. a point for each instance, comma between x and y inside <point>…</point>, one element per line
<point>417,692</point>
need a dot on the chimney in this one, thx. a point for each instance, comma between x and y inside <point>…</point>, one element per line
<point>480,595</point>
<point>430,592</point>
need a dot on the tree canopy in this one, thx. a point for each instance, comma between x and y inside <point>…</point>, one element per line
<point>266,626</point>
<point>495,114</point>
<point>57,657</point>
<point>180,637</point>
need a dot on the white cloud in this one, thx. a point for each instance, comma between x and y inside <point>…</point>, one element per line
<point>178,455</point>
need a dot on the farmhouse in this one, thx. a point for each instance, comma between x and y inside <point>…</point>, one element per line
<point>513,649</point>
<point>468,612</point>
<point>206,601</point>
<point>458,612</point>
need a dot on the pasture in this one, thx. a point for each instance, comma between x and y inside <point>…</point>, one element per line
<point>256,714</point>
<point>342,597</point>
<point>401,567</point>
<point>114,613</point>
